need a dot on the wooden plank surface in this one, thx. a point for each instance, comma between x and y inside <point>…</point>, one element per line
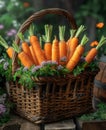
<point>94,125</point>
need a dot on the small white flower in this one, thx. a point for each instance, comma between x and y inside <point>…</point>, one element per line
<point>15,24</point>
<point>3,98</point>
<point>25,69</point>
<point>16,3</point>
<point>5,66</point>
<point>34,69</point>
<point>18,69</point>
<point>2,60</point>
<point>49,62</point>
<point>44,63</point>
<point>54,63</point>
<point>59,67</point>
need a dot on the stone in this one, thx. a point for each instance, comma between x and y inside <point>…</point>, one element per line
<point>61,125</point>
<point>29,126</point>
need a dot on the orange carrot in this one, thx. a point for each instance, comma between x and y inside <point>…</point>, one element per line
<point>72,33</point>
<point>74,41</point>
<point>62,46</point>
<point>33,55</point>
<point>41,44</point>
<point>94,51</point>
<point>47,40</point>
<point>77,54</point>
<point>55,50</point>
<point>25,47</point>
<point>91,55</point>
<point>36,46</point>
<point>25,60</point>
<point>23,57</point>
<point>9,50</point>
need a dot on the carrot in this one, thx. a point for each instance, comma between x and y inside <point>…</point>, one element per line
<point>23,57</point>
<point>94,51</point>
<point>72,33</point>
<point>55,50</point>
<point>77,54</point>
<point>9,50</point>
<point>36,46</point>
<point>25,47</point>
<point>41,44</point>
<point>33,55</point>
<point>47,40</point>
<point>62,46</point>
<point>74,41</point>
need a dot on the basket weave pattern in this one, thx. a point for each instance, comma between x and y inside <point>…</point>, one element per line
<point>53,98</point>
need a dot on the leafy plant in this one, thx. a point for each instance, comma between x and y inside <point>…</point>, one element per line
<point>93,66</point>
<point>5,108</point>
<point>25,76</point>
<point>6,68</point>
<point>99,114</point>
<point>5,104</point>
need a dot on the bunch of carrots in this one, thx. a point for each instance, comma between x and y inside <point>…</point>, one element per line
<point>67,53</point>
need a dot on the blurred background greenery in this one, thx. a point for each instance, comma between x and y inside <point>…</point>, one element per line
<point>87,12</point>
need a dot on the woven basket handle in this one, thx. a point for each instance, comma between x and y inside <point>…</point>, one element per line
<point>38,15</point>
<point>41,13</point>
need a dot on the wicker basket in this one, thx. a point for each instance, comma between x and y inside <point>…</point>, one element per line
<point>53,98</point>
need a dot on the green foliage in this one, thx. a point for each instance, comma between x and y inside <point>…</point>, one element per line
<point>93,66</point>
<point>26,76</point>
<point>78,70</point>
<point>4,118</point>
<point>5,107</point>
<point>1,91</point>
<point>6,69</point>
<point>99,114</point>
